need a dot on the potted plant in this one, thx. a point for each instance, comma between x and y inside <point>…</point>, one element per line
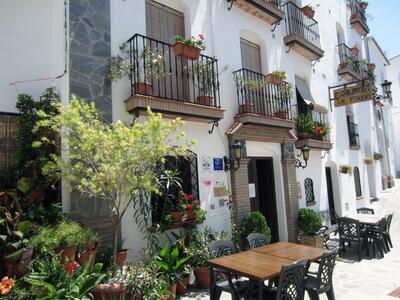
<point>321,131</point>
<point>276,77</point>
<point>250,86</point>
<point>310,224</point>
<point>88,255</point>
<point>355,50</point>
<point>343,65</point>
<point>254,222</point>
<point>345,169</point>
<point>378,156</point>
<point>363,4</point>
<point>371,66</point>
<point>122,253</point>
<point>281,107</point>
<point>308,11</point>
<point>305,126</point>
<point>149,65</point>
<point>189,48</point>
<point>368,160</point>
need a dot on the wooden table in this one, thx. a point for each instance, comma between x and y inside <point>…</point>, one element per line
<point>263,263</point>
<point>366,219</point>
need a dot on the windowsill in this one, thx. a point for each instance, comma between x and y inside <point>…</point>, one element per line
<point>360,198</point>
<point>311,203</point>
<point>355,147</point>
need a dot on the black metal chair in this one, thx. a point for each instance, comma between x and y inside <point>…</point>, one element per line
<point>290,285</point>
<point>350,231</point>
<point>386,234</point>
<point>321,282</point>
<point>224,281</point>
<point>377,236</point>
<point>366,211</point>
<point>256,240</point>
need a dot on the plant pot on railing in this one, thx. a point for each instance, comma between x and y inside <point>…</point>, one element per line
<point>274,79</point>
<point>143,88</point>
<point>363,4</point>
<point>205,100</point>
<point>368,160</point>
<point>281,114</point>
<point>186,51</point>
<point>202,277</point>
<point>371,66</point>
<point>355,50</point>
<point>107,291</point>
<point>308,11</point>
<point>247,108</point>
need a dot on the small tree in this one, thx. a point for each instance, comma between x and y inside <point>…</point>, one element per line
<point>115,162</point>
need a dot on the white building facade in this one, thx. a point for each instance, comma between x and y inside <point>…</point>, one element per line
<point>71,44</point>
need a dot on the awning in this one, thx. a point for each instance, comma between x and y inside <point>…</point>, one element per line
<point>304,90</point>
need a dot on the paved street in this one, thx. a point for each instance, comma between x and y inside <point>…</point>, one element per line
<point>370,279</point>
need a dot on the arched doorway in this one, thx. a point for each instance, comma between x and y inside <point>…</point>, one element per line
<point>332,184</point>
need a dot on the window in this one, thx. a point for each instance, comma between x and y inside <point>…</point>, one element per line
<point>251,57</point>
<point>309,191</point>
<point>186,166</point>
<point>9,126</point>
<point>357,182</point>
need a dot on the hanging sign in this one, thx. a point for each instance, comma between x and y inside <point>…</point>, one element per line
<point>361,92</point>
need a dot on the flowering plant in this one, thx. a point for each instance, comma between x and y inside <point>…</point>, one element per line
<point>193,41</point>
<point>6,285</point>
<point>188,202</point>
<point>321,130</point>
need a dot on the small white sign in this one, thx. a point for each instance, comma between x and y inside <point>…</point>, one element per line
<point>252,190</point>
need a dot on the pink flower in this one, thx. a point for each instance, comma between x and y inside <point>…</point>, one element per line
<point>193,37</point>
<point>201,36</point>
<point>190,206</point>
<point>198,202</point>
<point>190,197</point>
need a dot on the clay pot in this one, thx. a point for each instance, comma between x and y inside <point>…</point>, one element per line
<point>143,88</point>
<point>281,114</point>
<point>202,277</point>
<point>343,65</point>
<point>355,50</point>
<point>274,79</point>
<point>173,291</point>
<point>181,287</point>
<point>67,253</point>
<point>371,66</point>
<point>87,257</point>
<point>186,51</point>
<point>363,4</point>
<point>182,216</point>
<point>205,100</point>
<point>106,291</point>
<point>308,11</point>
<point>121,257</point>
<point>247,108</point>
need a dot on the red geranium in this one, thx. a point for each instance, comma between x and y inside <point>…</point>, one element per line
<point>70,267</point>
<point>190,206</point>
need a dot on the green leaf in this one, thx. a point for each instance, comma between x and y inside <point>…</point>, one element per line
<point>15,256</point>
<point>164,250</point>
<point>3,237</point>
<point>24,184</point>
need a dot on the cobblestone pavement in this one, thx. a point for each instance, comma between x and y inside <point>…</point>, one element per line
<point>370,279</point>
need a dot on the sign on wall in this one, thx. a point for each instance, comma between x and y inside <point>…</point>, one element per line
<point>361,92</point>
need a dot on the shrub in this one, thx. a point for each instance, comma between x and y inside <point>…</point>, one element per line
<point>346,169</point>
<point>368,160</point>
<point>309,221</point>
<point>305,123</point>
<point>254,222</point>
<point>378,156</point>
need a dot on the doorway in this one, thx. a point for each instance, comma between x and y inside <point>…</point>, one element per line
<point>329,185</point>
<point>262,192</point>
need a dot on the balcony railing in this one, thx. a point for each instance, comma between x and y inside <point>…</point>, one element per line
<point>257,96</point>
<point>346,56</point>
<point>354,137</point>
<point>358,17</point>
<point>158,72</point>
<point>261,3</point>
<point>356,10</point>
<point>297,22</point>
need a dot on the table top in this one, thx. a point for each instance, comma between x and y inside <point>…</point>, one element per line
<point>366,219</point>
<point>266,262</point>
<point>291,251</point>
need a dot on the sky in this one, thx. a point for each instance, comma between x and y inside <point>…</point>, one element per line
<point>384,24</point>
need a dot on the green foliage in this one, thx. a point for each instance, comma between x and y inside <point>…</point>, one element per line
<point>194,42</point>
<point>378,156</point>
<point>368,160</point>
<point>46,214</point>
<point>309,221</point>
<point>206,75</point>
<point>305,123</point>
<point>254,222</point>
<point>280,74</point>
<point>250,84</point>
<point>346,169</point>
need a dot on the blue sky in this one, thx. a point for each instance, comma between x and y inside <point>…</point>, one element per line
<point>384,24</point>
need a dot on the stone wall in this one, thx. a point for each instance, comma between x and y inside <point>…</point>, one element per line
<point>90,52</point>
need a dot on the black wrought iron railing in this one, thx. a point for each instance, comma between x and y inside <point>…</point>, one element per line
<point>298,22</point>
<point>158,72</point>
<point>262,3</point>
<point>357,11</point>
<point>257,96</point>
<point>354,137</point>
<point>346,56</point>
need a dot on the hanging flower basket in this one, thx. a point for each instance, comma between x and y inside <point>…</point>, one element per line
<point>308,11</point>
<point>368,160</point>
<point>274,79</point>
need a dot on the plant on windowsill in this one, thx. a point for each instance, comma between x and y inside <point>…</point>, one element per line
<point>276,77</point>
<point>149,65</point>
<point>189,48</point>
<point>308,11</point>
<point>188,211</point>
<point>378,156</point>
<point>368,160</point>
<point>345,169</point>
<point>310,224</point>
<point>250,86</point>
<point>305,126</point>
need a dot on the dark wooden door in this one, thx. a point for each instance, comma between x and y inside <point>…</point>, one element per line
<point>331,199</point>
<point>261,174</point>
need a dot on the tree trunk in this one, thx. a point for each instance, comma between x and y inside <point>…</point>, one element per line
<point>116,233</point>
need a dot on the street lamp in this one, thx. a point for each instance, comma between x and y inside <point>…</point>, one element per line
<point>236,148</point>
<point>386,90</point>
<point>305,152</point>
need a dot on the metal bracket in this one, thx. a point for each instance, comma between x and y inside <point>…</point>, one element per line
<point>325,153</point>
<point>135,116</point>
<point>231,1</point>
<point>315,62</point>
<point>214,124</point>
<point>275,24</point>
<point>288,49</point>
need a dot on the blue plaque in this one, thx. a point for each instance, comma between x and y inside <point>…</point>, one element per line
<point>218,164</point>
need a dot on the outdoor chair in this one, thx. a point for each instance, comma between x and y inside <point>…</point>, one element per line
<point>386,234</point>
<point>377,236</point>
<point>256,240</point>
<point>365,211</point>
<point>224,281</point>
<point>350,231</point>
<point>290,284</point>
<point>321,281</point>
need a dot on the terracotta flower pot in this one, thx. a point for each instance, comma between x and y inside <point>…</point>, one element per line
<point>343,65</point>
<point>371,66</point>
<point>202,277</point>
<point>67,253</point>
<point>173,291</point>
<point>274,79</point>
<point>181,287</point>
<point>108,291</point>
<point>247,108</point>
<point>304,135</point>
<point>186,51</point>
<point>121,257</point>
<point>308,11</point>
<point>87,257</point>
<point>355,50</point>
<point>143,88</point>
<point>363,4</point>
<point>281,114</point>
<point>205,100</point>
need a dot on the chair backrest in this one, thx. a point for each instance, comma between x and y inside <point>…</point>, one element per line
<point>381,228</point>
<point>349,229</point>
<point>325,270</point>
<point>221,248</point>
<point>291,281</point>
<point>329,217</point>
<point>388,223</point>
<point>365,211</point>
<point>256,239</point>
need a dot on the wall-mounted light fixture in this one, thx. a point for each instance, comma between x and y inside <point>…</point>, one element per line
<point>305,152</point>
<point>236,149</point>
<point>386,85</point>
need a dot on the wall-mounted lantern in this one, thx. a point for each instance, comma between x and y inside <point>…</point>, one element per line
<point>236,148</point>
<point>386,85</point>
<point>305,152</point>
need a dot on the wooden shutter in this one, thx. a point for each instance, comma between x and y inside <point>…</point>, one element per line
<point>9,127</point>
<point>251,57</point>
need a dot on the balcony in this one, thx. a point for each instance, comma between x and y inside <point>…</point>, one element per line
<point>170,84</point>
<point>302,33</point>
<point>266,10</point>
<point>354,137</point>
<point>261,102</point>
<point>308,129</point>
<point>358,18</point>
